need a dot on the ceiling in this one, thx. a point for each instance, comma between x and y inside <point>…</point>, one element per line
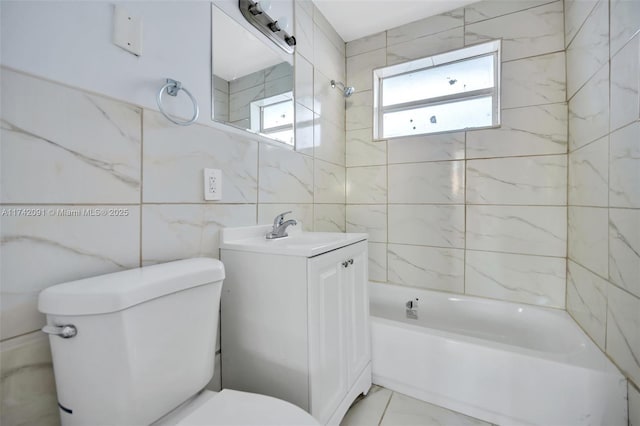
<point>353,19</point>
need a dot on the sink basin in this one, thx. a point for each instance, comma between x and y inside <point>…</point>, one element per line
<point>298,243</point>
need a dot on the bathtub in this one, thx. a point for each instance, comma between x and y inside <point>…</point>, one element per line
<point>505,363</point>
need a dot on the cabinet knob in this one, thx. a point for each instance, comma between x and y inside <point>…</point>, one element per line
<point>346,263</point>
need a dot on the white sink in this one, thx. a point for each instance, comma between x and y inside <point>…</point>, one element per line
<point>298,243</point>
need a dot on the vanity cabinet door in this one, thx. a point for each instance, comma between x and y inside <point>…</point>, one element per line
<point>327,334</point>
<point>356,277</point>
<point>339,347</point>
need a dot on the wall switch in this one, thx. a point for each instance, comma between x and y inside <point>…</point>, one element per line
<point>212,184</point>
<point>127,30</point>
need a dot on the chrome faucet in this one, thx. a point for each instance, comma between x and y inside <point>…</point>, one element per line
<point>280,227</point>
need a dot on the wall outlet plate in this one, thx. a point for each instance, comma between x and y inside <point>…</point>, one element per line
<point>212,184</point>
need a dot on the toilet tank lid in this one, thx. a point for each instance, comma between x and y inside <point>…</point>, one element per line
<point>120,290</point>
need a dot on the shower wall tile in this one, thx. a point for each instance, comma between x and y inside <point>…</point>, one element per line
<point>66,243</point>
<point>538,230</point>
<point>425,169</point>
<point>587,301</point>
<point>518,278</point>
<point>285,176</point>
<point>359,110</point>
<point>588,238</point>
<point>623,339</point>
<point>329,217</point>
<point>624,22</point>
<point>483,10</point>
<point>304,82</point>
<point>378,262</point>
<point>534,81</point>
<point>367,185</point>
<point>428,225</point>
<point>589,175</point>
<point>624,167</point>
<point>425,46</point>
<point>518,180</point>
<point>367,44</point>
<point>328,140</point>
<point>181,231</point>
<point>589,50</point>
<point>425,27</point>
<point>426,267</point>
<point>327,57</point>
<point>531,32</point>
<point>302,213</point>
<point>369,218</point>
<point>360,68</point>
<point>575,13</point>
<point>588,114</point>
<point>174,157</point>
<point>624,249</point>
<point>28,385</point>
<point>304,28</point>
<point>324,26</point>
<point>328,102</point>
<point>533,130</point>
<point>328,182</point>
<point>625,84</point>
<point>433,182</point>
<point>445,146</point>
<point>361,150</point>
<point>304,129</point>
<point>42,156</point>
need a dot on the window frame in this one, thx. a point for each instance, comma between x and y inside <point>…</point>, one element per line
<point>491,48</point>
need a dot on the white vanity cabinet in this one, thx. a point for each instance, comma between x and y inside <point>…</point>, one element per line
<point>339,347</point>
<point>297,327</point>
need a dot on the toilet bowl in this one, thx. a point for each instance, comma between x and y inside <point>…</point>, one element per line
<point>231,408</point>
<point>137,347</point>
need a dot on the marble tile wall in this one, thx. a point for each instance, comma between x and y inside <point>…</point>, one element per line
<point>480,212</point>
<point>65,152</point>
<point>603,76</point>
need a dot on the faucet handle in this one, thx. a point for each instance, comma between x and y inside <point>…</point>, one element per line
<point>280,218</point>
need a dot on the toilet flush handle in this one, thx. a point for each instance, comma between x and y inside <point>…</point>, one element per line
<point>64,331</point>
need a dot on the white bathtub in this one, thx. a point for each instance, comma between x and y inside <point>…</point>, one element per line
<point>501,362</point>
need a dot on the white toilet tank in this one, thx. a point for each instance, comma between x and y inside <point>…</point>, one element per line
<point>145,341</point>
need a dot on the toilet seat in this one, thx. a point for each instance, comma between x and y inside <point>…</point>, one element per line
<point>230,407</point>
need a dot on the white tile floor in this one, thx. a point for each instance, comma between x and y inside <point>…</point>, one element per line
<point>384,407</point>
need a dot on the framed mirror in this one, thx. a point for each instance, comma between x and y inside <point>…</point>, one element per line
<point>252,81</point>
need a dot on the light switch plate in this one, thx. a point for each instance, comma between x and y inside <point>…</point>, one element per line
<point>127,30</point>
<point>212,184</point>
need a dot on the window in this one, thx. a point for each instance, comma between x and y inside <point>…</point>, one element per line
<point>456,90</point>
<point>274,117</point>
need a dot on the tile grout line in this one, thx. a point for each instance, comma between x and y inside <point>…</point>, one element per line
<point>384,412</point>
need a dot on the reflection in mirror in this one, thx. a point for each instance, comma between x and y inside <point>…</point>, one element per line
<point>252,83</point>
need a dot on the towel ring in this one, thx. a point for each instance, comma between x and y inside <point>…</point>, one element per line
<point>172,88</point>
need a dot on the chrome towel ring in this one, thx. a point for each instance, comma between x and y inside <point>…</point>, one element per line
<point>172,88</point>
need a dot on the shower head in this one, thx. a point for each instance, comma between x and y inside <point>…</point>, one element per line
<point>346,90</point>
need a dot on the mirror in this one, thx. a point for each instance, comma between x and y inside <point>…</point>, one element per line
<point>252,82</point>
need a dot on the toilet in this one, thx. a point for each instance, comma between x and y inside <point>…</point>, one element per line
<point>137,347</point>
